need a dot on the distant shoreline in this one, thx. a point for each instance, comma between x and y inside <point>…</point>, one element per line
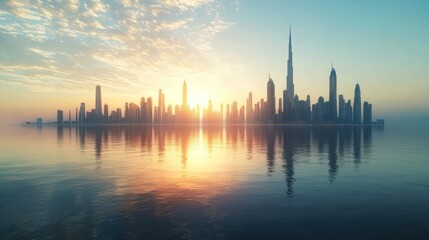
<point>204,124</point>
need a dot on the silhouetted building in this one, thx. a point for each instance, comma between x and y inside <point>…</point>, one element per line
<point>82,113</point>
<point>249,109</point>
<point>341,109</point>
<point>98,110</point>
<point>271,101</point>
<point>367,113</point>
<point>60,117</point>
<point>133,113</point>
<point>149,118</point>
<point>349,112</point>
<point>125,120</point>
<point>319,111</point>
<point>307,110</point>
<point>106,114</point>
<point>289,78</point>
<point>161,107</point>
<point>357,106</point>
<point>185,108</point>
<point>333,95</point>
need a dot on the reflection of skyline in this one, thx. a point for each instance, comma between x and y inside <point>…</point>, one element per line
<point>295,144</point>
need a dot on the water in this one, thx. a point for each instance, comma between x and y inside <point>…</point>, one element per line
<point>214,183</point>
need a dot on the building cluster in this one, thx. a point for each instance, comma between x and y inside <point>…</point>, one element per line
<point>290,108</point>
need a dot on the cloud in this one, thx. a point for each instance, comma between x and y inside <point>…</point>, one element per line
<point>122,44</point>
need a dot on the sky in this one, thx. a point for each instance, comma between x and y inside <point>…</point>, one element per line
<point>54,53</point>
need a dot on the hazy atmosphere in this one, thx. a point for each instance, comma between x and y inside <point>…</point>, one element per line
<point>53,53</point>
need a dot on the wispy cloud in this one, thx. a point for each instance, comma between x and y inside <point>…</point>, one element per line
<point>121,44</point>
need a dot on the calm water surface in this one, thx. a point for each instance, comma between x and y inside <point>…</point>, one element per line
<point>214,183</point>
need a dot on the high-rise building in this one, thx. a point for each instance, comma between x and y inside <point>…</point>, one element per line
<point>106,114</point>
<point>143,110</point>
<point>249,109</point>
<point>289,79</point>
<point>289,93</point>
<point>349,112</point>
<point>185,108</point>
<point>60,117</point>
<point>271,100</point>
<point>357,106</point>
<point>133,113</point>
<point>149,110</point>
<point>161,106</point>
<point>307,110</point>
<point>333,95</point>
<point>320,110</point>
<point>126,113</point>
<point>367,113</point>
<point>98,110</point>
<point>286,107</point>
<point>341,109</point>
<point>184,95</point>
<point>82,113</point>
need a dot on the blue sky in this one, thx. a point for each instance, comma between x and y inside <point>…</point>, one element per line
<point>53,53</point>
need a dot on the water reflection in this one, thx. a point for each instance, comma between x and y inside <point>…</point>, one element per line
<point>176,182</point>
<point>291,143</point>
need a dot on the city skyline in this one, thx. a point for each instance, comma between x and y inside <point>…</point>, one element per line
<point>290,109</point>
<point>386,52</point>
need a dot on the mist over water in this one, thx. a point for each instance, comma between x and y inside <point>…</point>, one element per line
<point>171,182</point>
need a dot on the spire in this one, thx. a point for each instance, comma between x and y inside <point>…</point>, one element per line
<point>290,40</point>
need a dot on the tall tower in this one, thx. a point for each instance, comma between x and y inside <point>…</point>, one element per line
<point>98,110</point>
<point>333,94</point>
<point>357,106</point>
<point>185,95</point>
<point>271,100</point>
<point>184,112</point>
<point>289,79</point>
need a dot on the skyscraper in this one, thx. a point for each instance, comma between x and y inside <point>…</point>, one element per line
<point>271,100</point>
<point>289,93</point>
<point>98,110</point>
<point>367,113</point>
<point>357,106</point>
<point>82,113</point>
<point>289,78</point>
<point>341,109</point>
<point>320,110</point>
<point>184,112</point>
<point>349,112</point>
<point>143,110</point>
<point>161,106</point>
<point>249,109</point>
<point>184,95</point>
<point>149,110</point>
<point>106,114</point>
<point>333,95</point>
<point>60,117</point>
